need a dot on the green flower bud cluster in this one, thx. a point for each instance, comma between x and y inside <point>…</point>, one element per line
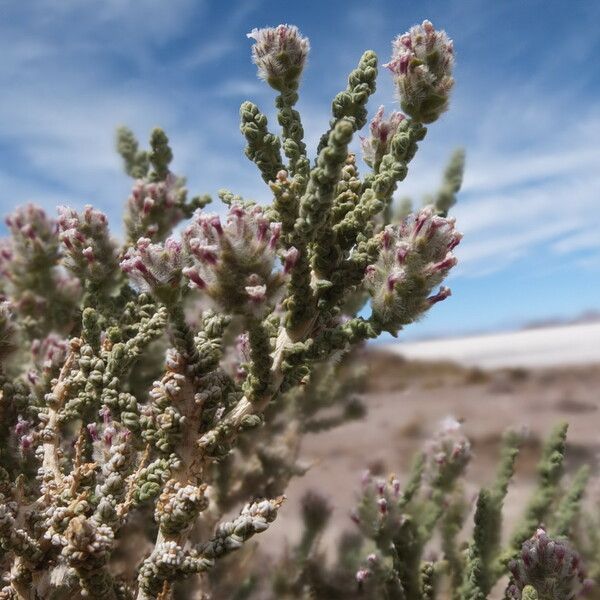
<point>152,478</point>
<point>254,518</point>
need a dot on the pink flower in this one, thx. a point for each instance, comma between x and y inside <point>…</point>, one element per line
<point>449,452</point>
<point>90,252</point>
<point>422,63</point>
<point>382,130</point>
<point>290,258</point>
<point>551,566</point>
<point>153,208</point>
<point>415,257</point>
<point>233,263</point>
<point>154,268</point>
<point>362,575</point>
<point>280,54</point>
<point>34,234</point>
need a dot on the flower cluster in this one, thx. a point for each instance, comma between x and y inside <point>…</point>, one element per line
<point>551,566</point>
<point>90,253</point>
<point>398,519</point>
<point>155,268</point>
<point>422,63</point>
<point>154,207</point>
<point>33,235</point>
<point>280,54</point>
<point>378,506</point>
<point>234,262</point>
<point>39,289</point>
<point>415,257</point>
<point>382,131</point>
<point>448,452</point>
<point>410,542</point>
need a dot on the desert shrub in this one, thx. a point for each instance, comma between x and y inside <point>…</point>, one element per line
<point>426,538</point>
<point>154,392</point>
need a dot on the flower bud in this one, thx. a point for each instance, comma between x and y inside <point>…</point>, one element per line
<point>448,453</point>
<point>34,235</point>
<point>362,575</point>
<point>154,208</point>
<point>23,433</point>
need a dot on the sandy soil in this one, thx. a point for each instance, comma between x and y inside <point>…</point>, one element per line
<point>406,400</point>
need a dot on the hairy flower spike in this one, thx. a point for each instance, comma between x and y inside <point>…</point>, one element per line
<point>155,268</point>
<point>158,199</point>
<point>551,566</point>
<point>38,288</point>
<point>34,233</point>
<point>422,63</point>
<point>91,254</point>
<point>382,131</point>
<point>154,207</point>
<point>448,453</point>
<point>414,258</point>
<point>234,263</point>
<point>280,54</point>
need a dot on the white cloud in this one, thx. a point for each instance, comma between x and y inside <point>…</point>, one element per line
<point>588,239</point>
<point>558,211</point>
<point>242,88</point>
<point>206,54</point>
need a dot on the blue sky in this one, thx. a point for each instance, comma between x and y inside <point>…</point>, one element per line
<point>525,108</point>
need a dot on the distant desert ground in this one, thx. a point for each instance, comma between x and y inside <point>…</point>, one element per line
<point>543,347</point>
<point>533,379</point>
